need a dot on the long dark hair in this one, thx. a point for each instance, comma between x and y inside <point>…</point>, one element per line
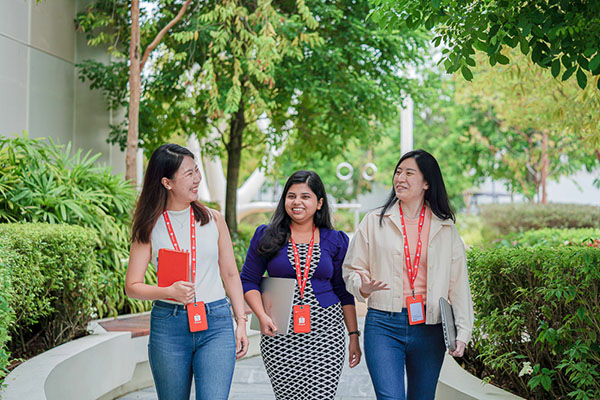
<point>278,232</point>
<point>164,162</point>
<point>436,195</point>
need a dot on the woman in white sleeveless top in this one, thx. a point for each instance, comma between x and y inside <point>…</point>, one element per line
<point>205,346</point>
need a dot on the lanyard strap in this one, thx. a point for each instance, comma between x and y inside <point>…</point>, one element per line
<point>192,238</point>
<point>302,279</point>
<point>412,271</point>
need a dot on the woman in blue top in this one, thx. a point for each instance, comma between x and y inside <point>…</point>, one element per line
<point>306,363</point>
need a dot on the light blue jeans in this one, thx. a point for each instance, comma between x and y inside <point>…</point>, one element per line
<point>175,353</point>
<point>392,345</point>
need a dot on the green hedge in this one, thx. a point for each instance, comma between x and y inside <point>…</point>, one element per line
<point>49,275</point>
<point>41,181</point>
<point>553,237</point>
<point>7,313</point>
<point>502,219</point>
<point>537,307</point>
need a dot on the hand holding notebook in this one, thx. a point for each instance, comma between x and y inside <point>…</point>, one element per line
<point>173,266</point>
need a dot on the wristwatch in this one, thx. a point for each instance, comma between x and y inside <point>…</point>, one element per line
<point>357,333</point>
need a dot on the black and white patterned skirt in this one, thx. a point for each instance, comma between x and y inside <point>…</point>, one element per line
<point>307,366</point>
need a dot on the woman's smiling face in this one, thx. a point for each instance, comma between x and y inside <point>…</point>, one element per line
<point>409,183</point>
<point>301,203</point>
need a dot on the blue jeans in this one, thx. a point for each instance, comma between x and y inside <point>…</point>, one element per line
<point>392,345</point>
<point>175,353</point>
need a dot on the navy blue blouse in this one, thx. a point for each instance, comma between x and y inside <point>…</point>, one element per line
<point>327,282</point>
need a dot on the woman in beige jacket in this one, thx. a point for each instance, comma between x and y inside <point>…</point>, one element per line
<point>403,258</point>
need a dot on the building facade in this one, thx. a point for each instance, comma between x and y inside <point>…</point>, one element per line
<point>40,91</point>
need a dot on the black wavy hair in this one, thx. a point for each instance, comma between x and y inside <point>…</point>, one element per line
<point>163,163</point>
<point>436,195</point>
<point>277,233</point>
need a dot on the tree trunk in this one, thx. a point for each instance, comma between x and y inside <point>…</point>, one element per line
<point>544,170</point>
<point>135,88</point>
<point>234,158</point>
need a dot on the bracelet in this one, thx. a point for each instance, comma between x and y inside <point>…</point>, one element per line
<point>245,318</point>
<point>357,333</point>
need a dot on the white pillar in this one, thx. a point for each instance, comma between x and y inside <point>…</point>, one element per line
<point>406,126</point>
<point>139,168</point>
<point>194,146</point>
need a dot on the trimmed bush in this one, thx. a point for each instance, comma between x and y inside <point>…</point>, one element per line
<point>41,181</point>
<point>552,237</point>
<point>50,280</point>
<point>537,320</point>
<point>502,219</point>
<point>7,314</point>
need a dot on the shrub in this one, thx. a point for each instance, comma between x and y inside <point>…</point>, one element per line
<point>553,237</point>
<point>41,181</point>
<point>7,314</point>
<point>502,219</point>
<point>50,280</point>
<point>538,307</point>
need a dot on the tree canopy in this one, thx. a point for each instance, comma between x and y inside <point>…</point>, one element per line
<point>321,73</point>
<point>561,35</point>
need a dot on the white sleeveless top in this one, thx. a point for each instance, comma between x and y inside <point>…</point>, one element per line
<point>209,286</point>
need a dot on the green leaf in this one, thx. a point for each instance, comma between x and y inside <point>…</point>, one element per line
<point>466,73</point>
<point>555,67</point>
<point>502,59</point>
<point>546,382</point>
<point>570,71</point>
<point>589,52</point>
<point>493,31</point>
<point>595,63</point>
<point>581,78</point>
<point>524,45</point>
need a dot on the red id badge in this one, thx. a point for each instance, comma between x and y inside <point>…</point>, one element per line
<point>197,316</point>
<point>302,319</point>
<point>416,309</point>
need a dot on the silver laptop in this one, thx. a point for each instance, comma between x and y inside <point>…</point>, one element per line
<point>277,297</point>
<point>448,324</point>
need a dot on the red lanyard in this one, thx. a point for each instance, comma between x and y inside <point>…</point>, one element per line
<point>412,271</point>
<point>192,238</point>
<point>302,280</point>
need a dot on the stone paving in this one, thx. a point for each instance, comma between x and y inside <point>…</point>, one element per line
<point>250,382</point>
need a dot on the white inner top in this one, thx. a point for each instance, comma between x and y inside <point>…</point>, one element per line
<point>209,286</point>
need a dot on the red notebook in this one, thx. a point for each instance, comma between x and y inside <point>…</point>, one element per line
<point>173,266</point>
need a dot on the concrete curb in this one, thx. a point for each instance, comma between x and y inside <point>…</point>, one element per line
<point>103,365</point>
<point>106,365</point>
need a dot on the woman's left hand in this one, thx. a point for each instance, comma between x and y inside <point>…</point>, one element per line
<point>460,349</point>
<point>354,353</point>
<point>241,341</point>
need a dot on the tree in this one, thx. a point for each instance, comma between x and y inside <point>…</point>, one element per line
<point>544,132</point>
<point>88,23</point>
<point>561,35</point>
<point>318,83</point>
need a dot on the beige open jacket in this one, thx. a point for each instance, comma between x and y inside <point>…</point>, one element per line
<point>378,252</point>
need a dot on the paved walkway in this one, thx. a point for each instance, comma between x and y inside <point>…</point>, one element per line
<point>250,381</point>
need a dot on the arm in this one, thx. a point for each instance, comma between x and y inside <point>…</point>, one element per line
<point>459,294</point>
<point>139,257</point>
<point>252,273</point>
<point>356,270</point>
<point>233,285</point>
<point>254,300</point>
<point>337,259</point>
<point>354,353</point>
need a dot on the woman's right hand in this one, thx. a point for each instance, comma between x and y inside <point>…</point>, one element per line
<point>267,326</point>
<point>369,286</point>
<point>182,291</point>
